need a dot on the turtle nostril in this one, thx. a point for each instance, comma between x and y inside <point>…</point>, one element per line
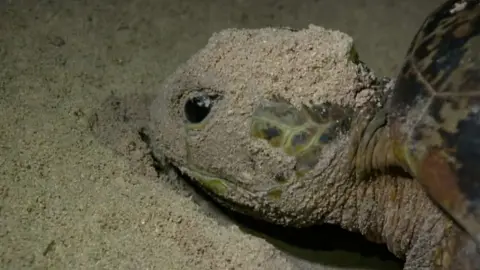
<point>198,108</point>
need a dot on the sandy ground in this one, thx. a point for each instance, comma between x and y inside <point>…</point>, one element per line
<point>69,202</point>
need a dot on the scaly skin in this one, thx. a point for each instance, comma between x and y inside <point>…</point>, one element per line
<point>384,206</point>
<point>456,249</point>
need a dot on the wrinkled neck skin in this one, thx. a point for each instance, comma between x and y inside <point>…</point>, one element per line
<point>382,202</point>
<point>390,209</point>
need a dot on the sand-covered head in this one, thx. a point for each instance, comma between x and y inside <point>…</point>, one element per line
<point>279,80</point>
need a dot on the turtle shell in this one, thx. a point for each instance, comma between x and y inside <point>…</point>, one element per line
<point>434,111</point>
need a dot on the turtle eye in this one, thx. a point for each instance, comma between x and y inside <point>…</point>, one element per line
<point>198,107</point>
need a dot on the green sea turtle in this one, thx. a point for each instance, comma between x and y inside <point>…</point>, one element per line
<point>241,119</point>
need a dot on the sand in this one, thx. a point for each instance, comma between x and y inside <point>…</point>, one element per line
<point>70,202</point>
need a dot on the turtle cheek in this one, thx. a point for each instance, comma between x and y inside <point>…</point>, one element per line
<point>217,147</point>
<point>273,134</point>
<point>293,143</point>
<point>304,144</point>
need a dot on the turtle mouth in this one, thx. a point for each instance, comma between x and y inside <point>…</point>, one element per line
<point>219,186</point>
<point>229,188</point>
<point>221,190</point>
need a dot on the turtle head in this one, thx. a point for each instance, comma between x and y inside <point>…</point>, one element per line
<point>227,120</point>
<point>257,158</point>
